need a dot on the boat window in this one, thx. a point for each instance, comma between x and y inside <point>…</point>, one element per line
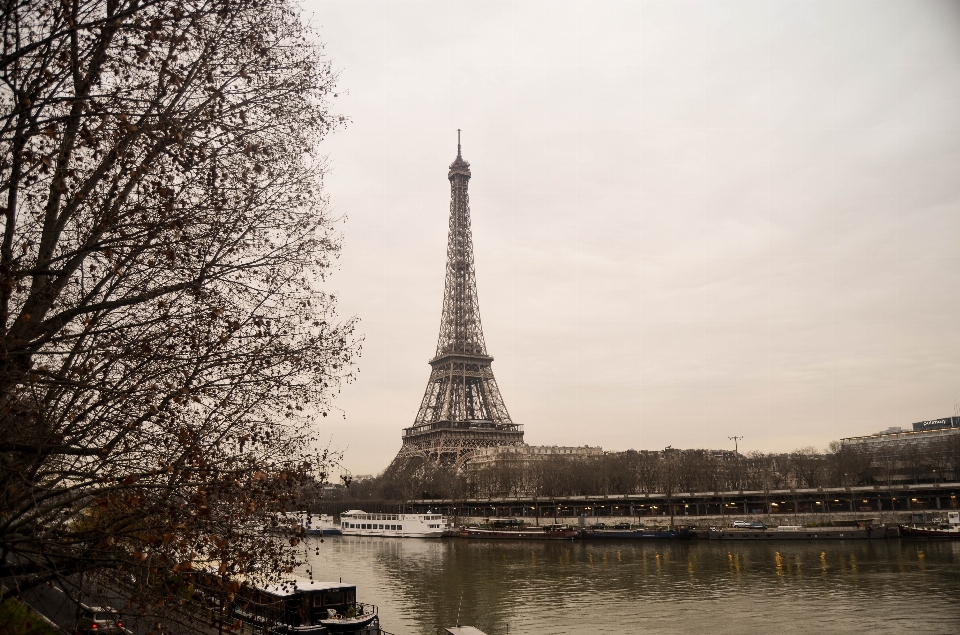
<point>334,597</point>
<point>399,527</point>
<point>317,597</point>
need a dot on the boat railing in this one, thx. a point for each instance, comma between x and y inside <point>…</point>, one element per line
<point>360,609</point>
<point>366,609</point>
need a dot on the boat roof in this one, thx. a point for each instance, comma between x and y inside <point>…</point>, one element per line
<point>464,630</point>
<point>351,512</point>
<point>294,586</point>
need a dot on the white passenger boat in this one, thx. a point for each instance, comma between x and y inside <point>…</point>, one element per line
<point>305,523</point>
<point>320,525</point>
<point>357,522</point>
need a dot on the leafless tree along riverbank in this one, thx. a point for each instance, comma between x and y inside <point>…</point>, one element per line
<point>163,342</point>
<point>664,472</point>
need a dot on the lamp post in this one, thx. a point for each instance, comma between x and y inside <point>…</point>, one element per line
<point>736,453</point>
<point>735,439</point>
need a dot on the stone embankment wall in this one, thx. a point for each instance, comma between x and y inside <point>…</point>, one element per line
<point>888,518</point>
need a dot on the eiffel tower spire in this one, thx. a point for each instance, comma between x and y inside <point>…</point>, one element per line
<point>461,408</point>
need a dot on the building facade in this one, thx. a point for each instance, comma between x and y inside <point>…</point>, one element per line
<point>526,454</point>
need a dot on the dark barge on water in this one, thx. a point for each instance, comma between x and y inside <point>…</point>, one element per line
<point>804,533</point>
<point>635,534</point>
<point>514,529</point>
<point>624,531</point>
<point>305,607</point>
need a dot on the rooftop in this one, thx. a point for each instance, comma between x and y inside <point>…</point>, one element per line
<point>299,585</point>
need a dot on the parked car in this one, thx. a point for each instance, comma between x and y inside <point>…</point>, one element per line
<point>599,526</point>
<point>99,619</point>
<point>746,524</point>
<point>622,526</point>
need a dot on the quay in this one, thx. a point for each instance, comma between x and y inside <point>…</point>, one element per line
<point>887,504</point>
<point>878,505</point>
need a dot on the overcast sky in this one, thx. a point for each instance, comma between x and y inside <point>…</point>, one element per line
<point>691,220</point>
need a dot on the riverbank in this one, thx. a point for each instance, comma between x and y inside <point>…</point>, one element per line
<point>835,519</point>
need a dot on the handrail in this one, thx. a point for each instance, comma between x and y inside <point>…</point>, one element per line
<point>462,425</point>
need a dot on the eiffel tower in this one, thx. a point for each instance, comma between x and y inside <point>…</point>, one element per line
<point>462,409</point>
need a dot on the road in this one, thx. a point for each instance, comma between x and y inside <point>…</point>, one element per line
<point>59,608</point>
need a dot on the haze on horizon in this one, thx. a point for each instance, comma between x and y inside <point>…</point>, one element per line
<point>691,220</point>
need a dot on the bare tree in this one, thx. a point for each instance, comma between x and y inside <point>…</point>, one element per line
<point>914,460</point>
<point>952,456</point>
<point>888,461</point>
<point>647,467</point>
<point>164,343</point>
<point>669,478</point>
<point>808,467</point>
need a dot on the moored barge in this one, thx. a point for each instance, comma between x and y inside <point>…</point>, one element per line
<point>512,530</point>
<point>632,534</point>
<point>801,533</point>
<point>936,529</point>
<point>306,607</point>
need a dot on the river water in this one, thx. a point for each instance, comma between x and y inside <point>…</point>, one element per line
<point>701,587</point>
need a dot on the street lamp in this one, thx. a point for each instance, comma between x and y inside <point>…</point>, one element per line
<point>735,439</point>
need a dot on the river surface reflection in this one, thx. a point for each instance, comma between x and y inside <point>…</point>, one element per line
<point>676,587</point>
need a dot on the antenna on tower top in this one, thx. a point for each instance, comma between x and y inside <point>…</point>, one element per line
<point>458,141</point>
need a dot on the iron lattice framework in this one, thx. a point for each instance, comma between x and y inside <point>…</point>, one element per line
<point>462,409</point>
